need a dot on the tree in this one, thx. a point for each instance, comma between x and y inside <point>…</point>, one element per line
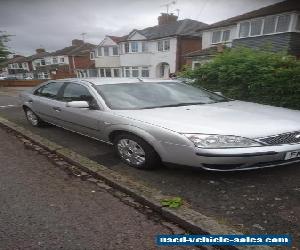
<point>252,75</point>
<point>4,52</point>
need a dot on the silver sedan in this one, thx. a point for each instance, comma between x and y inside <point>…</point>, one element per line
<point>150,121</point>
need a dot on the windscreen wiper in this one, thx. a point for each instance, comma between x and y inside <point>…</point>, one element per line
<point>175,105</point>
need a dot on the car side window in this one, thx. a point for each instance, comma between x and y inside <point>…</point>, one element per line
<point>49,90</point>
<point>76,92</point>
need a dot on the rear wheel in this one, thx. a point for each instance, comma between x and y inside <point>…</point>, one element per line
<point>136,152</point>
<point>33,119</point>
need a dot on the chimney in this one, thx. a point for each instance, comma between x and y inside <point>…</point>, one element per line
<point>40,50</point>
<point>165,18</point>
<point>77,42</point>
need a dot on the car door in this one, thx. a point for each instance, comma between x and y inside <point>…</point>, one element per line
<point>45,102</point>
<point>82,120</point>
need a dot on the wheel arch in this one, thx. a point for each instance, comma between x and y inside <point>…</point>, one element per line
<point>147,137</point>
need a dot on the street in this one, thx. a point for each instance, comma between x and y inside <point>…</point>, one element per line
<point>261,201</point>
<point>43,207</point>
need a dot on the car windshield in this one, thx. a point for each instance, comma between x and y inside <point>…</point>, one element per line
<point>154,95</point>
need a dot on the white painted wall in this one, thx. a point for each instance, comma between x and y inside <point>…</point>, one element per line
<point>107,61</point>
<point>111,61</point>
<point>152,58</point>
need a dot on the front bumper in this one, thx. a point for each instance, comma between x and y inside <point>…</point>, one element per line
<point>232,159</point>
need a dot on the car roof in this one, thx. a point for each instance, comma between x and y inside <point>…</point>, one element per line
<point>119,80</point>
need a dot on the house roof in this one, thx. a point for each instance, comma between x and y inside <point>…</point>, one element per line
<point>17,59</point>
<point>74,50</point>
<point>37,56</point>
<point>285,6</point>
<point>117,39</point>
<point>186,27</point>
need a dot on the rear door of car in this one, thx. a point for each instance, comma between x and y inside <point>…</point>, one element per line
<point>82,120</point>
<point>46,102</point>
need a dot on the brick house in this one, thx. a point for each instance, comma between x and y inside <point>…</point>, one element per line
<point>151,52</point>
<point>71,61</point>
<point>276,27</point>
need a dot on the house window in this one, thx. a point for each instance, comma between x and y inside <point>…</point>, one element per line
<point>145,71</point>
<point>144,47</point>
<point>116,73</point>
<point>244,29</point>
<point>216,36</point>
<point>24,65</point>
<point>107,72</point>
<point>127,72</point>
<point>43,62</point>
<point>135,72</point>
<point>92,55</point>
<point>62,59</point>
<point>226,35</point>
<point>102,74</point>
<point>166,45</point>
<point>106,51</point>
<point>283,23</point>
<point>160,46</point>
<point>298,23</point>
<point>163,45</point>
<point>99,51</point>
<point>269,25</point>
<point>134,47</point>
<point>126,45</point>
<point>115,50</point>
<point>54,60</point>
<point>256,26</point>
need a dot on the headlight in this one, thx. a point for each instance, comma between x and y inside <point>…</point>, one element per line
<point>220,141</point>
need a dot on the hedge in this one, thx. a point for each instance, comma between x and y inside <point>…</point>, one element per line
<point>252,75</point>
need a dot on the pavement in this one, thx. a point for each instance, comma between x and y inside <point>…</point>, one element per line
<point>44,207</point>
<point>262,201</point>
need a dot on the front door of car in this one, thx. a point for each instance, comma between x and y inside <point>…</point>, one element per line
<point>46,103</point>
<point>82,120</point>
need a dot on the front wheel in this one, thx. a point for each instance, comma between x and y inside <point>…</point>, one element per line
<point>136,152</point>
<point>33,119</point>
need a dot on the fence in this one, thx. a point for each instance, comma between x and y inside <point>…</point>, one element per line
<point>20,83</point>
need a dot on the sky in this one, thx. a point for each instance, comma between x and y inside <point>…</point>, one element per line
<point>52,24</point>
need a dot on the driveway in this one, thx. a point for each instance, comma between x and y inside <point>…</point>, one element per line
<point>261,201</point>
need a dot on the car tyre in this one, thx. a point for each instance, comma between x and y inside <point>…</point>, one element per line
<point>136,152</point>
<point>33,118</point>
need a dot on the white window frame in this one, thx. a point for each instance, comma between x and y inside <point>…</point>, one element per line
<point>92,55</point>
<point>162,44</point>
<point>54,59</point>
<point>62,60</point>
<point>263,26</point>
<point>135,68</point>
<point>144,69</point>
<point>106,49</point>
<point>131,47</point>
<point>99,51</point>
<point>117,48</point>
<point>221,36</point>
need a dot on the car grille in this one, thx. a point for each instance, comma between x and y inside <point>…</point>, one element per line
<point>287,138</point>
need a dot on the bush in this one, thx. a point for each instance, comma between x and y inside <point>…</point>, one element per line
<point>252,75</point>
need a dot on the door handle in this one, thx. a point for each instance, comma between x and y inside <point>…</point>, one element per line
<point>57,109</point>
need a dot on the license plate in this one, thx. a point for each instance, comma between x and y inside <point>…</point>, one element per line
<point>292,155</point>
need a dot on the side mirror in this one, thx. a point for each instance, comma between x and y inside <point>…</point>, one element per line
<point>78,104</point>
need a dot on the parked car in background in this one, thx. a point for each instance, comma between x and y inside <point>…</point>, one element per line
<point>154,120</point>
<point>3,77</point>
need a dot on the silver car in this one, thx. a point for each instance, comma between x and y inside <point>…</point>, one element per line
<point>150,121</point>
